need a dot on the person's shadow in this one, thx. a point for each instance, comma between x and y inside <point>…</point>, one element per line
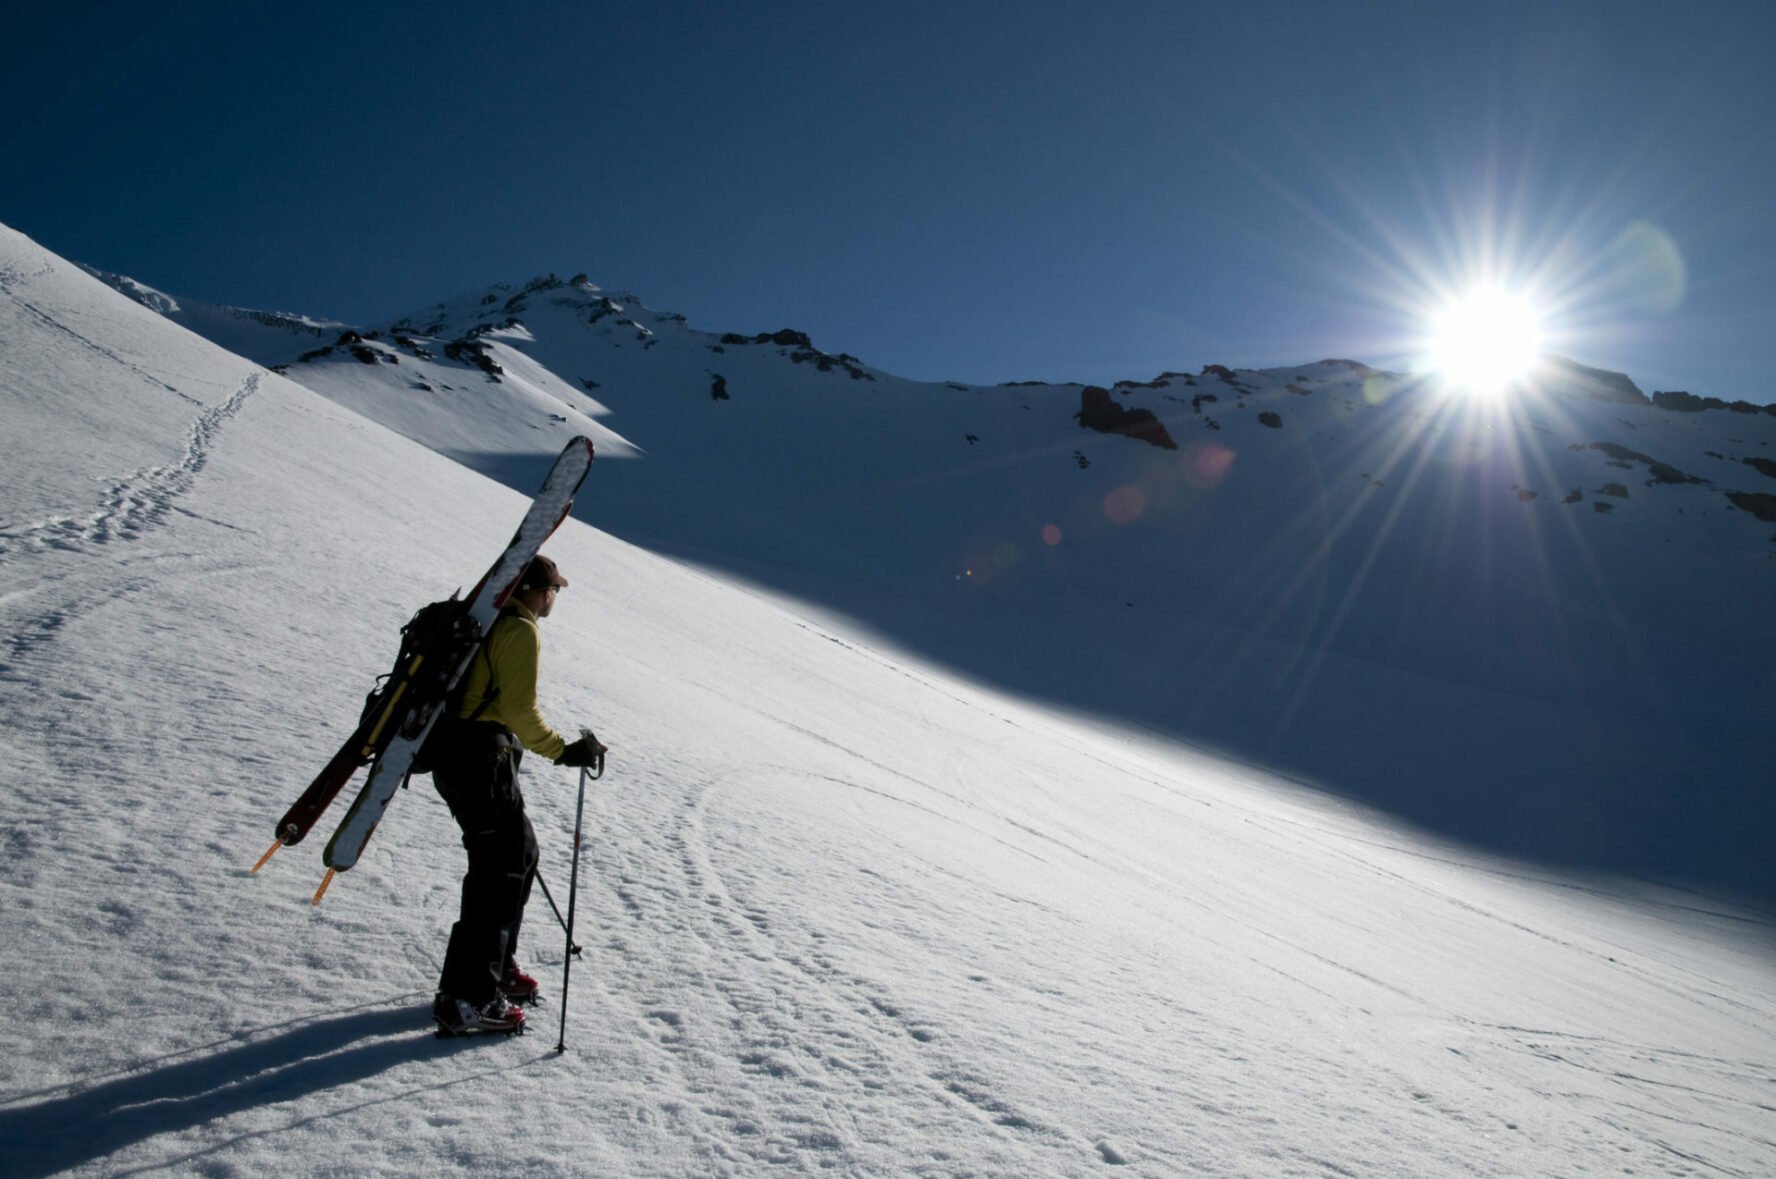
<point>43,1137</point>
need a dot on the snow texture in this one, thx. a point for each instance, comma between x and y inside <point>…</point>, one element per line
<point>846,908</point>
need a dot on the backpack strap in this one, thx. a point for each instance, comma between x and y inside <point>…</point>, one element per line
<point>492,684</point>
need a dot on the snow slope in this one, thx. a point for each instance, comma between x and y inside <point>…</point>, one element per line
<point>1539,627</point>
<point>843,909</point>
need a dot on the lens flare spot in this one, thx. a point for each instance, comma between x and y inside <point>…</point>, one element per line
<point>1051,535</point>
<point>1646,269</point>
<point>1377,389</point>
<point>1125,504</point>
<point>1206,464</point>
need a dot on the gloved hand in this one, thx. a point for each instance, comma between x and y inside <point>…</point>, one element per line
<point>587,751</point>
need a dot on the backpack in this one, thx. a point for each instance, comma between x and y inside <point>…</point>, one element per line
<point>433,643</point>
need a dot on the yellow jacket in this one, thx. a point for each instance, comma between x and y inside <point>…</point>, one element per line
<point>514,651</point>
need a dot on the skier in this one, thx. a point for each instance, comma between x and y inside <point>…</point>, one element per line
<point>477,755</point>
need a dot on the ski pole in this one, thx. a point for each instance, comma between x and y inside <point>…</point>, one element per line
<point>573,886</point>
<point>572,946</point>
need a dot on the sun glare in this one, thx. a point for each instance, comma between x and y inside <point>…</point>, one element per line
<point>1485,340</point>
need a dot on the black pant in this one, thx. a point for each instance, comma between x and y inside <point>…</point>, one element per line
<point>477,774</point>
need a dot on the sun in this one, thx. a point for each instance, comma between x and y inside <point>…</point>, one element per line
<point>1485,340</point>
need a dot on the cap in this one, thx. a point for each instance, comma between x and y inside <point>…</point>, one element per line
<point>539,573</point>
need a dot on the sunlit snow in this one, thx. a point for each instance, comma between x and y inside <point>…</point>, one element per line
<point>845,907</point>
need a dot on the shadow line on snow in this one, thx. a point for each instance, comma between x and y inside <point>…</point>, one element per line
<point>47,1137</point>
<point>1539,768</point>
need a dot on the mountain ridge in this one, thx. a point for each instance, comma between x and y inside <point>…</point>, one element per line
<point>1579,549</point>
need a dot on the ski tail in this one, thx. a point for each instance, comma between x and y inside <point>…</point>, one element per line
<point>313,802</point>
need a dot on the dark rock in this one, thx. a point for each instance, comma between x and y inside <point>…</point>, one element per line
<point>1661,472</point>
<point>1763,466</point>
<point>1159,382</point>
<point>1098,411</point>
<point>1759,503</point>
<point>472,351</point>
<point>1274,421</point>
<point>1615,489</point>
<point>718,388</point>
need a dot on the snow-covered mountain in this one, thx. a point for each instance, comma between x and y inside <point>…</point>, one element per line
<point>845,907</point>
<point>1539,625</point>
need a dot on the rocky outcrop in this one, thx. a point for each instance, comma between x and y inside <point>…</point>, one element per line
<point>1682,402</point>
<point>803,351</point>
<point>1099,411</point>
<point>1661,472</point>
<point>473,351</point>
<point>1758,503</point>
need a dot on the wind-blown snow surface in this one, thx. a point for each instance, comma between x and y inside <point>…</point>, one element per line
<point>842,910</point>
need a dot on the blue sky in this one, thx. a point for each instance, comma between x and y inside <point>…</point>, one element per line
<point>977,192</point>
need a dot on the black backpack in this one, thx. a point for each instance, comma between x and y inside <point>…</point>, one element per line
<point>433,643</point>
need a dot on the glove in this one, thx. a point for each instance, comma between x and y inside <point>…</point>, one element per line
<point>587,751</point>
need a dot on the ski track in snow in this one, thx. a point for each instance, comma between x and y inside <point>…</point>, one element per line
<point>91,345</point>
<point>812,1041</point>
<point>136,502</point>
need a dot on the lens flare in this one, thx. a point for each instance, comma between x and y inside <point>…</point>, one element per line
<point>1125,504</point>
<point>1206,465</point>
<point>1646,269</point>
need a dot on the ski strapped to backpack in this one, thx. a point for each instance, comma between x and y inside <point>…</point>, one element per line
<point>437,646</point>
<point>431,637</point>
